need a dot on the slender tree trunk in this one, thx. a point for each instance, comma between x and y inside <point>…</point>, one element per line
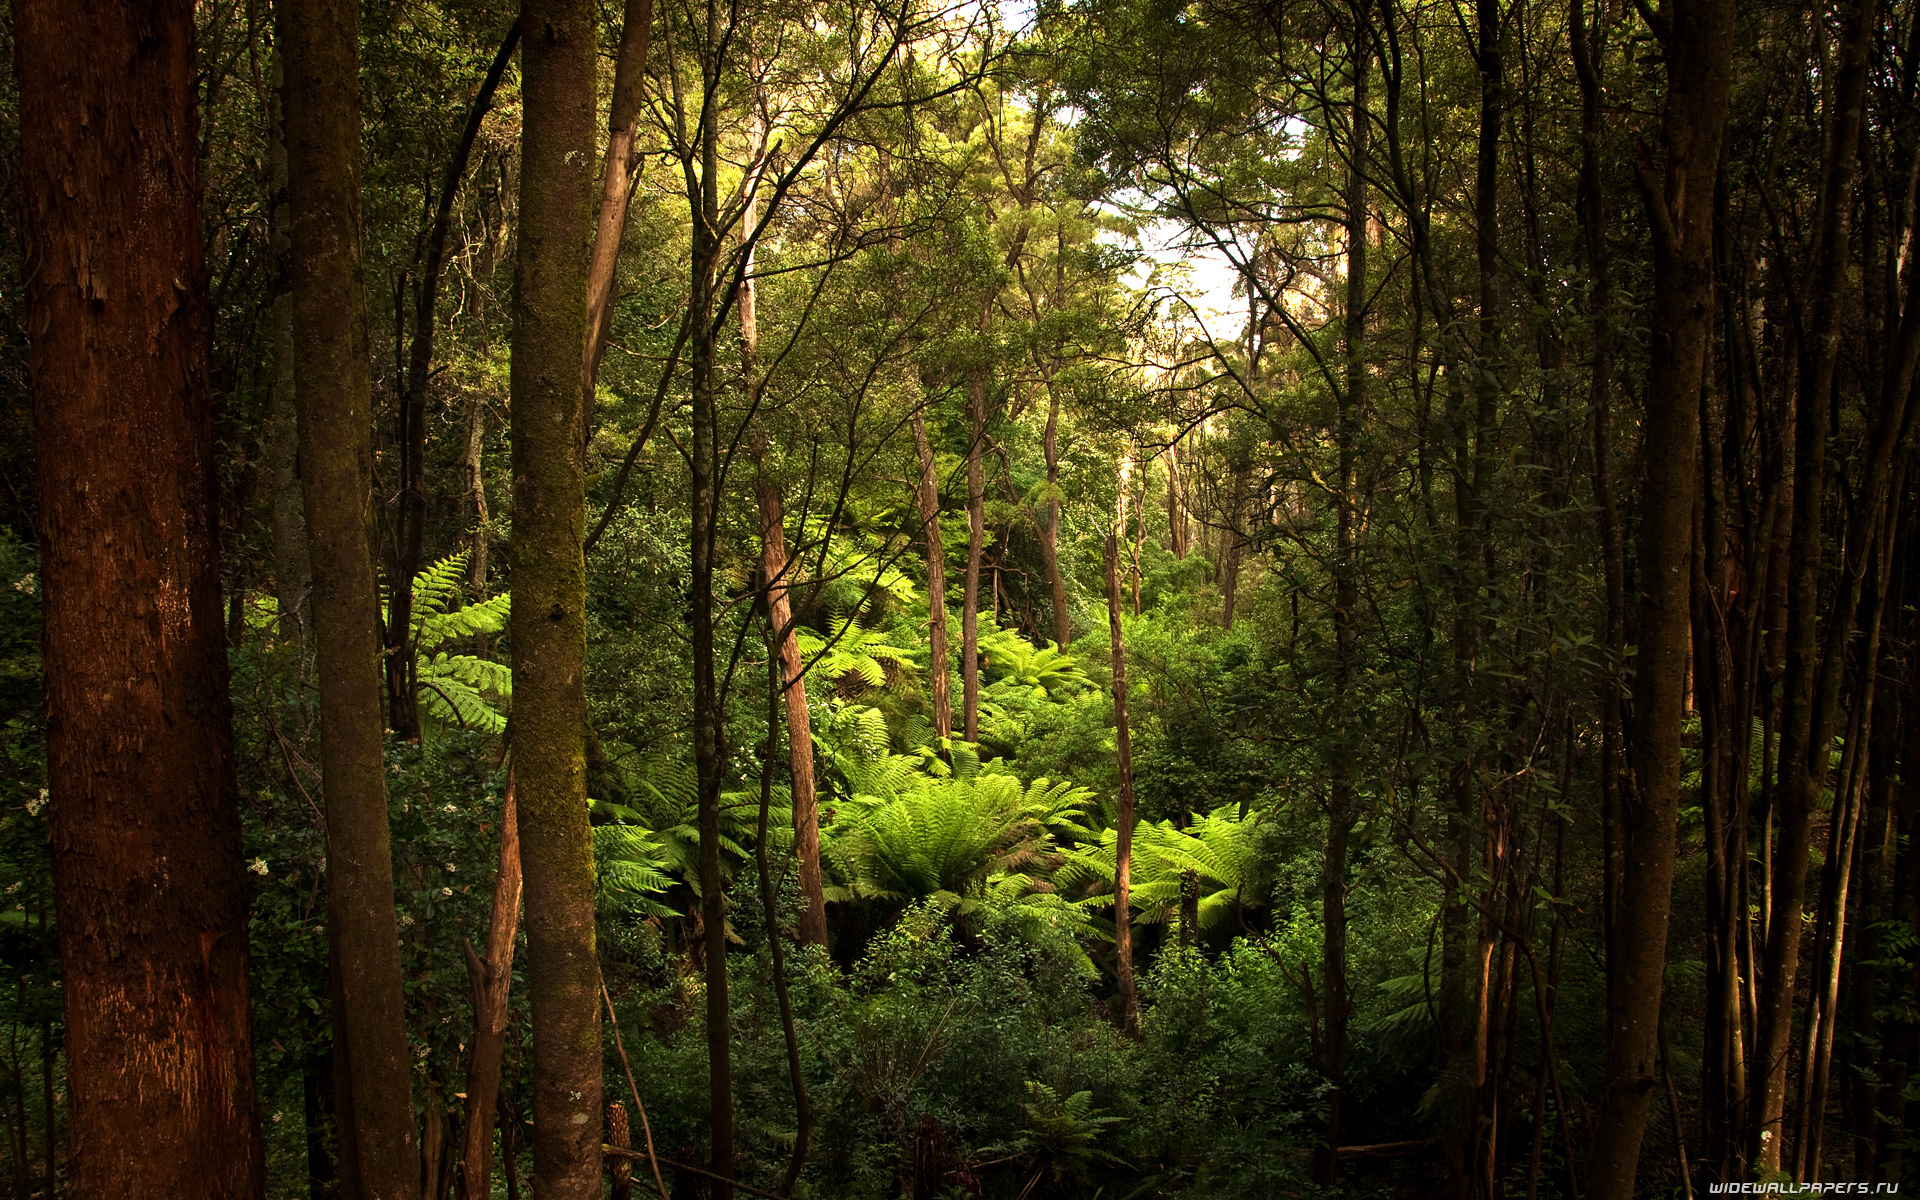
<point>1050,527</point>
<point>976,543</point>
<point>806,811</point>
<point>474,465</point>
<point>1806,716</point>
<point>548,624</point>
<point>1179,533</point>
<point>927,498</point>
<point>492,977</point>
<point>1699,52</point>
<point>1123,845</point>
<point>292,572</point>
<point>402,706</point>
<point>144,818</point>
<point>616,185</point>
<point>704,305</point>
<point>320,39</point>
<point>1341,815</point>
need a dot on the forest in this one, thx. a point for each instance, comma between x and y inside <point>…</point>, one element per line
<point>1015,599</point>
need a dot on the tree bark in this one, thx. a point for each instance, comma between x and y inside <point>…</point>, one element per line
<point>1050,527</point>
<point>927,497</point>
<point>320,39</point>
<point>1806,713</point>
<point>616,186</point>
<point>548,624</point>
<point>1123,836</point>
<point>492,978</point>
<point>1341,815</point>
<point>144,817</point>
<point>806,812</point>
<point>402,705</point>
<point>976,544</point>
<point>292,572</point>
<point>1699,51</point>
<point>704,305</point>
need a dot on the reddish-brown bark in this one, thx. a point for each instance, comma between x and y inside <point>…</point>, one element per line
<point>145,830</point>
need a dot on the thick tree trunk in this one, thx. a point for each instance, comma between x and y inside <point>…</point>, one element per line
<point>144,818</point>
<point>548,624</point>
<point>1699,52</point>
<point>1123,822</point>
<point>320,39</point>
<point>492,978</point>
<point>927,498</point>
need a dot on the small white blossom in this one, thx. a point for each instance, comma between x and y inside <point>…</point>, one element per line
<point>450,808</point>
<point>276,1117</point>
<point>37,803</point>
<point>258,866</point>
<point>449,866</point>
<point>405,920</point>
<point>13,887</point>
<point>26,584</point>
<point>446,891</point>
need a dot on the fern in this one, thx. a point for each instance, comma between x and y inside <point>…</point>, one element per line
<point>456,688</point>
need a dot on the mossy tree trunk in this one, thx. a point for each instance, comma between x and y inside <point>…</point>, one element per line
<point>548,625</point>
<point>334,384</point>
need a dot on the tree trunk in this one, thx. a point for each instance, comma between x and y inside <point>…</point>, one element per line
<point>779,571</point>
<point>292,573</point>
<point>976,544</point>
<point>616,187</point>
<point>806,811</point>
<point>704,305</point>
<point>1123,838</point>
<point>1341,815</point>
<point>320,39</point>
<point>1806,717</point>
<point>927,498</point>
<point>1699,53</point>
<point>144,818</point>
<point>491,977</point>
<point>548,624</point>
<point>473,464</point>
<point>1050,527</point>
<point>402,705</point>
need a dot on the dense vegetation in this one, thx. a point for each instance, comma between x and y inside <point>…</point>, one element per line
<point>1221,599</point>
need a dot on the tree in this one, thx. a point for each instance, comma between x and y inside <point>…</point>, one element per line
<point>548,624</point>
<point>334,391</point>
<point>145,822</point>
<point>1698,47</point>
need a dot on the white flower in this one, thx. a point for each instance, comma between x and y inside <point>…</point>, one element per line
<point>35,805</point>
<point>258,866</point>
<point>13,887</point>
<point>276,1117</point>
<point>449,866</point>
<point>405,920</point>
<point>446,891</point>
<point>25,584</point>
<point>451,808</point>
